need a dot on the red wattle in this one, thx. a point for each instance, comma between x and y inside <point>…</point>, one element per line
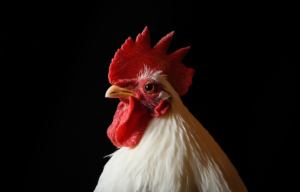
<point>129,124</point>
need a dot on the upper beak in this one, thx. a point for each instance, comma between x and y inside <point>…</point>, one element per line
<point>118,92</point>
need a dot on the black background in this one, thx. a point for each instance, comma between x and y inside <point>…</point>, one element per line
<point>54,60</point>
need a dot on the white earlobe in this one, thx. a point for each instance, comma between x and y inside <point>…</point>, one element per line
<point>164,95</point>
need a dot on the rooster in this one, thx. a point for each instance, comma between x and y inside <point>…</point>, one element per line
<point>162,146</point>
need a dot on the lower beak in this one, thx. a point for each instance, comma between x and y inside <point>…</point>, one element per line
<point>118,92</point>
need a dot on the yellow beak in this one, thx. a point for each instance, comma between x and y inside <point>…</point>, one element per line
<point>118,92</point>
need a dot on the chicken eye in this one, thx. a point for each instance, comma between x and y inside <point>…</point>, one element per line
<point>149,87</point>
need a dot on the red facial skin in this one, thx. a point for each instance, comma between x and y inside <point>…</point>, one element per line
<point>133,114</point>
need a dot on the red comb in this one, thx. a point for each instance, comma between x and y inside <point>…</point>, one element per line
<point>133,56</point>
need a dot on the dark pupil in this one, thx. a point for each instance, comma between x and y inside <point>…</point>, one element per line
<point>149,87</point>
